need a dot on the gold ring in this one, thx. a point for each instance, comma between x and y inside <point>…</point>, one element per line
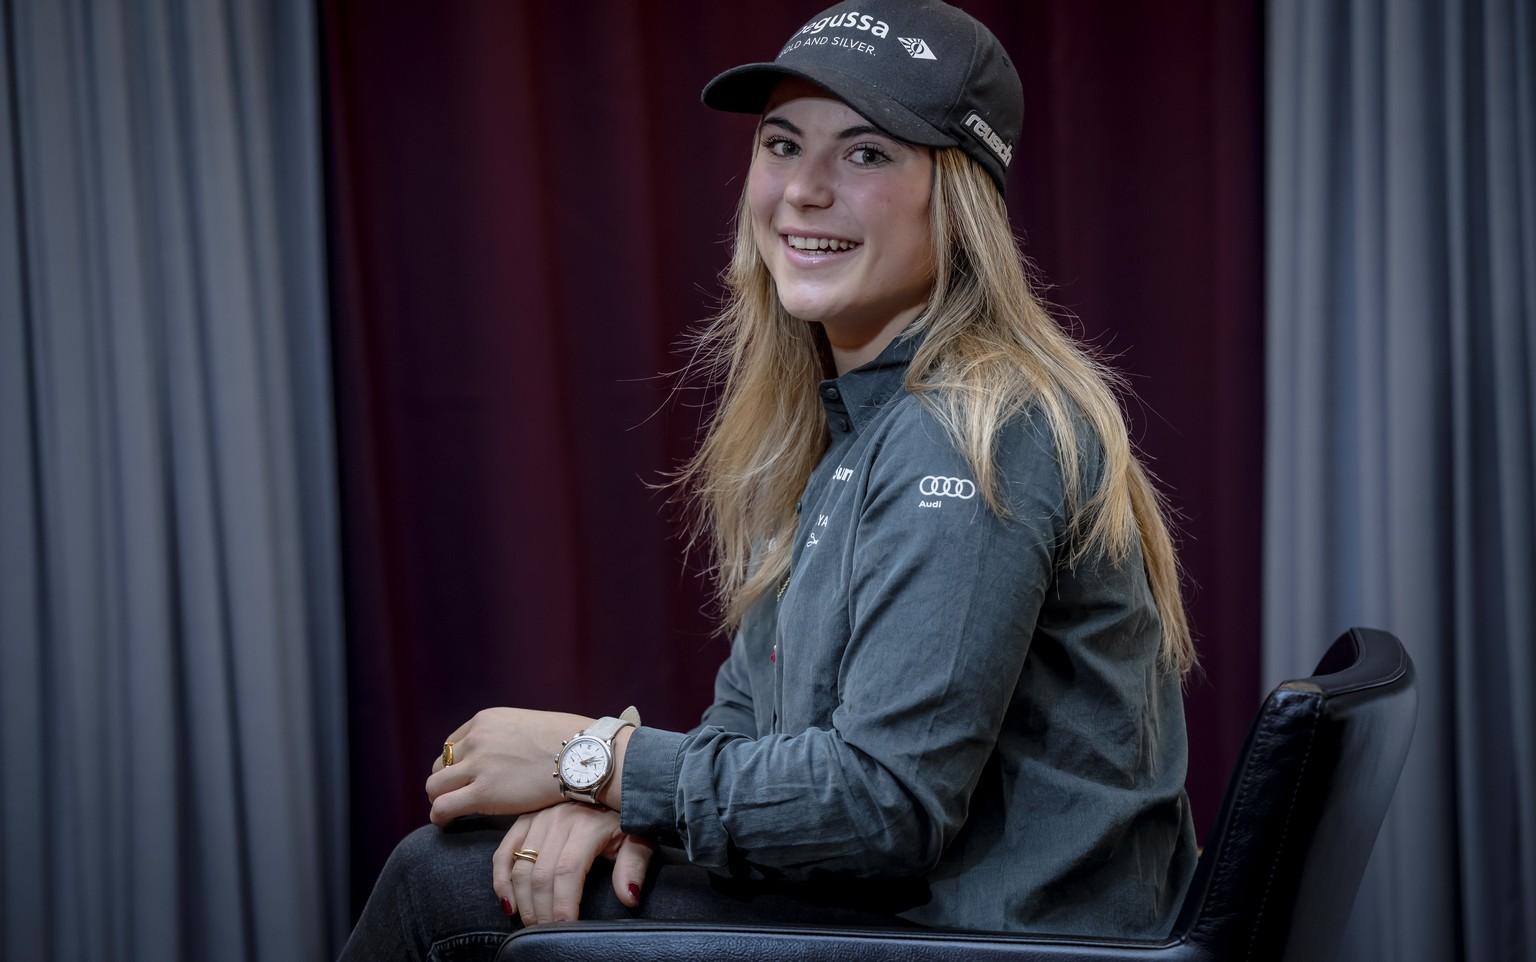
<point>447,754</point>
<point>525,853</point>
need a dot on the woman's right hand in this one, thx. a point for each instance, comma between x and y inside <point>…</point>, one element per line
<point>568,837</point>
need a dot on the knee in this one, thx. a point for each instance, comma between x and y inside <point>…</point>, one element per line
<point>434,858</point>
<point>416,853</point>
<point>436,884</point>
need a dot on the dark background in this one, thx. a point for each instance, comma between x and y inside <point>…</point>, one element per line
<point>528,209</point>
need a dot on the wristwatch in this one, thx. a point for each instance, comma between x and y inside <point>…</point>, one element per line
<point>585,763</point>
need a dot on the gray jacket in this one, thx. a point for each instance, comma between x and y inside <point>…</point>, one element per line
<point>936,695</point>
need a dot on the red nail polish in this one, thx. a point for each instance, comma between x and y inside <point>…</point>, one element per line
<point>506,906</point>
<point>634,893</point>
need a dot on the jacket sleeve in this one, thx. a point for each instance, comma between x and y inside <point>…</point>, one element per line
<point>940,607</point>
<point>732,709</point>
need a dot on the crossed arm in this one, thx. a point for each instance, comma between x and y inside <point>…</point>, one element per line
<point>503,760</point>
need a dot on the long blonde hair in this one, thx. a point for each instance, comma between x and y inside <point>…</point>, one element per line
<point>990,349</point>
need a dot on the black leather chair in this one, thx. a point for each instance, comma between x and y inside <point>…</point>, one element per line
<point>1275,881</point>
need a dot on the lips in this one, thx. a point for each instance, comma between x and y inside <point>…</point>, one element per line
<point>817,245</point>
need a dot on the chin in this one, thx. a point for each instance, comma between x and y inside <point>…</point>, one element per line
<point>810,311</point>
<point>814,306</point>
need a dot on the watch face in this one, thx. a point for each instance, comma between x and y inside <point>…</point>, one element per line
<point>584,762</point>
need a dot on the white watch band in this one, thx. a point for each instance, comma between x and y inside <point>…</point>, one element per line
<point>606,728</point>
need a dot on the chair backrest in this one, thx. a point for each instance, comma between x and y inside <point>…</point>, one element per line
<point>1278,876</point>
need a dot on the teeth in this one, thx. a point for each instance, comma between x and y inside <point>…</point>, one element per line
<point>820,243</point>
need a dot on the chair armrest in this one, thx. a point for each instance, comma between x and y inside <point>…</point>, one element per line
<point>653,941</point>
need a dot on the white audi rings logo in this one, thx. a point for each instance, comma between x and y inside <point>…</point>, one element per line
<point>934,486</point>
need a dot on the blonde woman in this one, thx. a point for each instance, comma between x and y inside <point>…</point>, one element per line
<point>953,694</point>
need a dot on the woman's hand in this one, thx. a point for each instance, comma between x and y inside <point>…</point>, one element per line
<point>504,760</point>
<point>567,837</point>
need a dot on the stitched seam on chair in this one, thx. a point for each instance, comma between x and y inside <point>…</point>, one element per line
<point>1223,870</point>
<point>487,939</point>
<point>1285,833</point>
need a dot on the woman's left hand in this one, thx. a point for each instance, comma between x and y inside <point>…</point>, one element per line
<point>503,764</point>
<point>564,840</point>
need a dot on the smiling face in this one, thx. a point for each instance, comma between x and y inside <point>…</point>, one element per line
<point>840,217</point>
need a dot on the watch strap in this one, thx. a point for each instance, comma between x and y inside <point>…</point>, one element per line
<point>609,726</point>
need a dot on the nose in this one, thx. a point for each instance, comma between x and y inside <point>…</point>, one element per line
<point>811,184</point>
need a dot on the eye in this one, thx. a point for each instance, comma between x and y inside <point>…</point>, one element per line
<point>781,146</point>
<point>868,155</point>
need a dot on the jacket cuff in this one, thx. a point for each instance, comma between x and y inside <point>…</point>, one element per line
<point>648,794</point>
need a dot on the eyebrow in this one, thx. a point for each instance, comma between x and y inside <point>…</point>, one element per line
<point>858,130</point>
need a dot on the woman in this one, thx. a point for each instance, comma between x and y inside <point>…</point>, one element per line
<point>953,694</point>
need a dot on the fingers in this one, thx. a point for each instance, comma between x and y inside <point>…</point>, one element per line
<point>502,863</point>
<point>630,864</point>
<point>568,838</point>
<point>521,869</point>
<point>453,794</point>
<point>524,872</point>
<point>559,874</point>
<point>445,780</point>
<point>505,757</point>
<point>453,739</point>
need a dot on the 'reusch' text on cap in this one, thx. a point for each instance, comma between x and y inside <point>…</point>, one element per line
<point>983,132</point>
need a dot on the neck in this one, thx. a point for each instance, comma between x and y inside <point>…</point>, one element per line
<point>853,348</point>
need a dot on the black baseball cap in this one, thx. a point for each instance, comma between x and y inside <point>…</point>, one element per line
<point>920,70</point>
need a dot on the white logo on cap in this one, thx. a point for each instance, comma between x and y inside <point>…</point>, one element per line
<point>983,132</point>
<point>853,20</point>
<point>918,48</point>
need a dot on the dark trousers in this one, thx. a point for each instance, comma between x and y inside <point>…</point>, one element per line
<point>434,900</point>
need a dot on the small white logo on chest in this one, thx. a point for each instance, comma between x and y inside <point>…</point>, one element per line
<point>842,473</point>
<point>934,486</point>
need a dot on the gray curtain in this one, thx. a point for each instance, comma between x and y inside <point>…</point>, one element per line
<point>1401,438</point>
<point>171,705</point>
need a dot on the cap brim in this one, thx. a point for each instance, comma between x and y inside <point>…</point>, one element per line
<point>746,89</point>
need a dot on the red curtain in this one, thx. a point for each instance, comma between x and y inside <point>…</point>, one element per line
<point>529,209</point>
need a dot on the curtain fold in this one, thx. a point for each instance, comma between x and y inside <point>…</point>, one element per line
<point>171,681</point>
<point>1401,457</point>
